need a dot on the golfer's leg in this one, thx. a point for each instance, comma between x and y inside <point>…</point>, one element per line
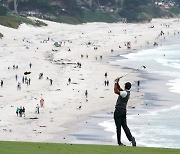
<point>126,129</point>
<point>117,120</point>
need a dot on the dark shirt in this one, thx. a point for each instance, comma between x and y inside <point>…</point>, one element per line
<point>122,101</point>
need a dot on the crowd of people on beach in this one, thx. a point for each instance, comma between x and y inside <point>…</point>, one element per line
<point>20,111</point>
<point>27,80</point>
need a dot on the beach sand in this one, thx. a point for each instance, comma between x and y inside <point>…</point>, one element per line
<point>65,105</point>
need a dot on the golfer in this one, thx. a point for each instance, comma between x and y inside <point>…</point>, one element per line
<point>120,111</point>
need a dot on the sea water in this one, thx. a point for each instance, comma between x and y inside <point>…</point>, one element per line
<point>160,128</point>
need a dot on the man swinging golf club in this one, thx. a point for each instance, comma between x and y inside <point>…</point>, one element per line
<point>120,111</point>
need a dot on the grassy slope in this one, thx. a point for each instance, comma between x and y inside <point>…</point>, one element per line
<point>50,148</point>
<point>15,21</point>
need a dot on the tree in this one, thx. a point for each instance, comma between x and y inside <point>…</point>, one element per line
<point>107,2</point>
<point>16,3</point>
<point>136,2</point>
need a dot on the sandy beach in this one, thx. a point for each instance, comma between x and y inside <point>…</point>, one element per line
<point>65,104</point>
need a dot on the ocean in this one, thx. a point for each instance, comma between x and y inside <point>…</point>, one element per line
<point>159,124</point>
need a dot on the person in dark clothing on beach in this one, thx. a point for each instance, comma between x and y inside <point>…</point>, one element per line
<point>37,108</point>
<point>138,83</point>
<point>69,81</point>
<point>20,112</point>
<point>120,111</point>
<point>51,81</point>
<point>16,76</point>
<point>29,81</point>
<point>1,83</point>
<point>30,65</point>
<point>23,79</point>
<point>86,93</point>
<point>107,82</point>
<point>23,111</point>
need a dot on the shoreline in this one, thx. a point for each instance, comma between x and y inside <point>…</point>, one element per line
<point>90,76</point>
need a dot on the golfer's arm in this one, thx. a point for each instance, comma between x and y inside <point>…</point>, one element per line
<point>117,88</point>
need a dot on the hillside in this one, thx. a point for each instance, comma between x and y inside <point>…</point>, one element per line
<point>79,11</point>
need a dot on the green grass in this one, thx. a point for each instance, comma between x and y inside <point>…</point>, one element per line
<point>13,21</point>
<point>50,148</point>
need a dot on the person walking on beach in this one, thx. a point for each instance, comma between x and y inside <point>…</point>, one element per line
<point>16,77</point>
<point>1,83</point>
<point>41,102</point>
<point>17,111</point>
<point>23,79</point>
<point>51,81</point>
<point>69,81</point>
<point>107,82</point>
<point>86,93</point>
<point>23,111</point>
<point>30,65</point>
<point>20,111</point>
<point>37,107</point>
<point>29,81</point>
<point>105,75</point>
<point>138,84</point>
<point>120,112</point>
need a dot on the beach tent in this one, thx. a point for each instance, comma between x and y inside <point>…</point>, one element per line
<point>56,43</point>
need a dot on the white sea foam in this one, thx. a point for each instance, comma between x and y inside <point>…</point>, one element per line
<point>175,63</point>
<point>174,85</point>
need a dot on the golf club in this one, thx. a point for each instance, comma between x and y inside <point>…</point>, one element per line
<point>131,72</point>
